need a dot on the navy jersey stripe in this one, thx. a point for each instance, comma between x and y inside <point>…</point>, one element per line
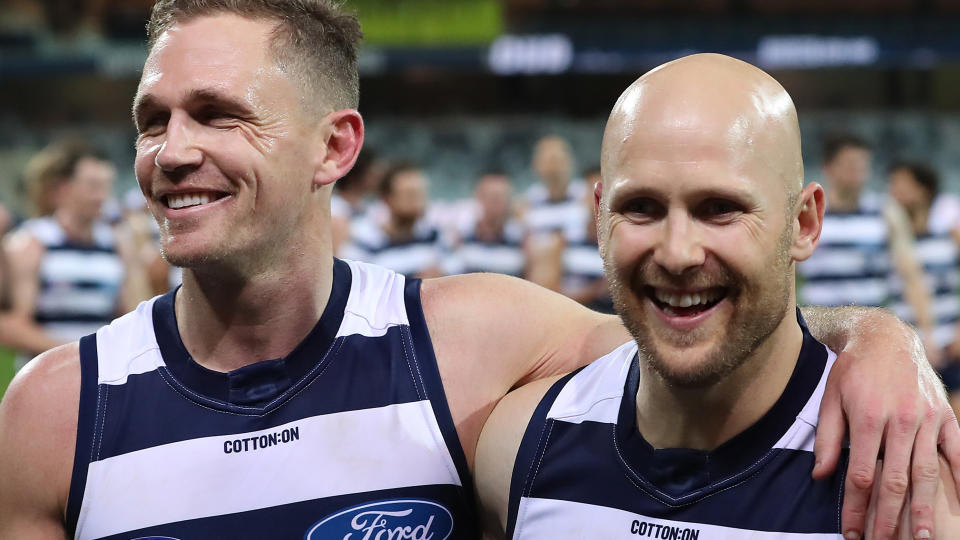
<point>783,474</point>
<point>532,446</point>
<point>333,389</point>
<point>83,453</point>
<point>296,519</point>
<point>83,248</point>
<point>433,385</point>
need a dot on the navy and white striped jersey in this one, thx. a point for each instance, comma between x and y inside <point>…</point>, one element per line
<point>370,243</point>
<point>939,257</point>
<point>584,471</point>
<point>582,264</point>
<point>348,436</point>
<point>852,262</point>
<point>79,283</point>
<point>504,255</point>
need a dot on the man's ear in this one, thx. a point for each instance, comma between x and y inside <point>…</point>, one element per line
<point>343,137</point>
<point>809,220</point>
<point>597,201</point>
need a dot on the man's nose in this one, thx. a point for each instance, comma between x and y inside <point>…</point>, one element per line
<point>680,246</point>
<point>179,149</point>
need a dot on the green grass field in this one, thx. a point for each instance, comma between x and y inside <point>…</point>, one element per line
<point>6,369</point>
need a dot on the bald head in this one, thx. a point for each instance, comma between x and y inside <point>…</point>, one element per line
<point>707,106</point>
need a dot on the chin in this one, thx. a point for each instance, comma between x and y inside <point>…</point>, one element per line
<point>691,366</point>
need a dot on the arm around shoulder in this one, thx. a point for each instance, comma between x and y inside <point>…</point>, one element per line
<point>38,425</point>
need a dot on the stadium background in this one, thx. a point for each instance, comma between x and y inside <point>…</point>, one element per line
<point>461,86</point>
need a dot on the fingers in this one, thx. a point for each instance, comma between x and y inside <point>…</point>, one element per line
<point>866,430</point>
<point>830,431</point>
<point>895,479</point>
<point>924,477</point>
<point>950,447</point>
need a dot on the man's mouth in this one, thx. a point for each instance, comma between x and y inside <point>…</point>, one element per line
<point>686,303</point>
<point>176,201</point>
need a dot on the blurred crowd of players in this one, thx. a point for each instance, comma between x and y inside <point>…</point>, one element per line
<point>82,257</point>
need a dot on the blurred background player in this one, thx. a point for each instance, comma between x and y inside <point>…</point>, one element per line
<point>404,240</point>
<point>70,272</point>
<point>866,242</point>
<point>583,278</point>
<point>351,195</point>
<point>491,240</point>
<point>552,207</point>
<point>915,187</point>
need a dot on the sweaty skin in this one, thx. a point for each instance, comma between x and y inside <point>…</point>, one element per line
<point>697,175</point>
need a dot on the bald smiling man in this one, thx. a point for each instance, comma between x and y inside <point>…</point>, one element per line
<point>702,427</point>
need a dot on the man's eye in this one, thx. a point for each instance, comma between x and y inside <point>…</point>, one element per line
<point>152,124</point>
<point>643,209</point>
<point>719,208</point>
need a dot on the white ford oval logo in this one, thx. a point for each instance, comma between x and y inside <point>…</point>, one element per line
<point>392,519</point>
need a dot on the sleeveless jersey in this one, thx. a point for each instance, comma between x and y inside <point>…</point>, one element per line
<point>851,264</point>
<point>582,264</point>
<point>938,255</point>
<point>584,471</point>
<point>503,256</point>
<point>349,436</point>
<point>79,283</point>
<point>369,243</point>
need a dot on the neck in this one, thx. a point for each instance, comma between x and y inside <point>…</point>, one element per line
<point>919,218</point>
<point>843,200</point>
<point>231,319</point>
<point>705,418</point>
<point>352,197</point>
<point>75,227</point>
<point>557,191</point>
<point>489,229</point>
<point>400,229</point>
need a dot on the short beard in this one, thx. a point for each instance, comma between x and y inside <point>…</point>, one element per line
<point>749,327</point>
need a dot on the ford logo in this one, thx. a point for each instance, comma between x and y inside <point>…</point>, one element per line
<point>393,519</point>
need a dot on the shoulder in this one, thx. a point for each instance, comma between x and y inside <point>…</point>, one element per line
<point>38,429</point>
<point>24,244</point>
<point>46,390</point>
<point>497,449</point>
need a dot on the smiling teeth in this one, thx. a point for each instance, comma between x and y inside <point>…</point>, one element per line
<point>187,199</point>
<point>687,300</point>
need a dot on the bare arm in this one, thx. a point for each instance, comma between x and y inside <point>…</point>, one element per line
<point>497,453</point>
<point>136,283</point>
<point>25,254</point>
<point>915,290</point>
<point>492,333</point>
<point>38,427</point>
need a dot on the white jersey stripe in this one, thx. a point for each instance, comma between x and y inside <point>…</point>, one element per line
<point>552,518</point>
<point>152,486</point>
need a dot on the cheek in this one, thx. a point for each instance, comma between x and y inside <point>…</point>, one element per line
<point>627,245</point>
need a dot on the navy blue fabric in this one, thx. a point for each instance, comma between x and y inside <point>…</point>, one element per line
<point>87,414</point>
<point>295,520</point>
<point>246,382</point>
<point>358,362</point>
<point>85,248</point>
<point>431,237</point>
<point>744,483</point>
<point>531,447</point>
<point>69,317</point>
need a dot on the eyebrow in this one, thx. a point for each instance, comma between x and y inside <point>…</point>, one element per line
<point>200,96</point>
<point>627,192</point>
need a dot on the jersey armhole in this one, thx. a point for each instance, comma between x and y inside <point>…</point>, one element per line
<point>433,387</point>
<point>86,420</point>
<point>532,446</point>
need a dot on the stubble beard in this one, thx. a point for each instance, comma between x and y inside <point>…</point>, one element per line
<point>758,311</point>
